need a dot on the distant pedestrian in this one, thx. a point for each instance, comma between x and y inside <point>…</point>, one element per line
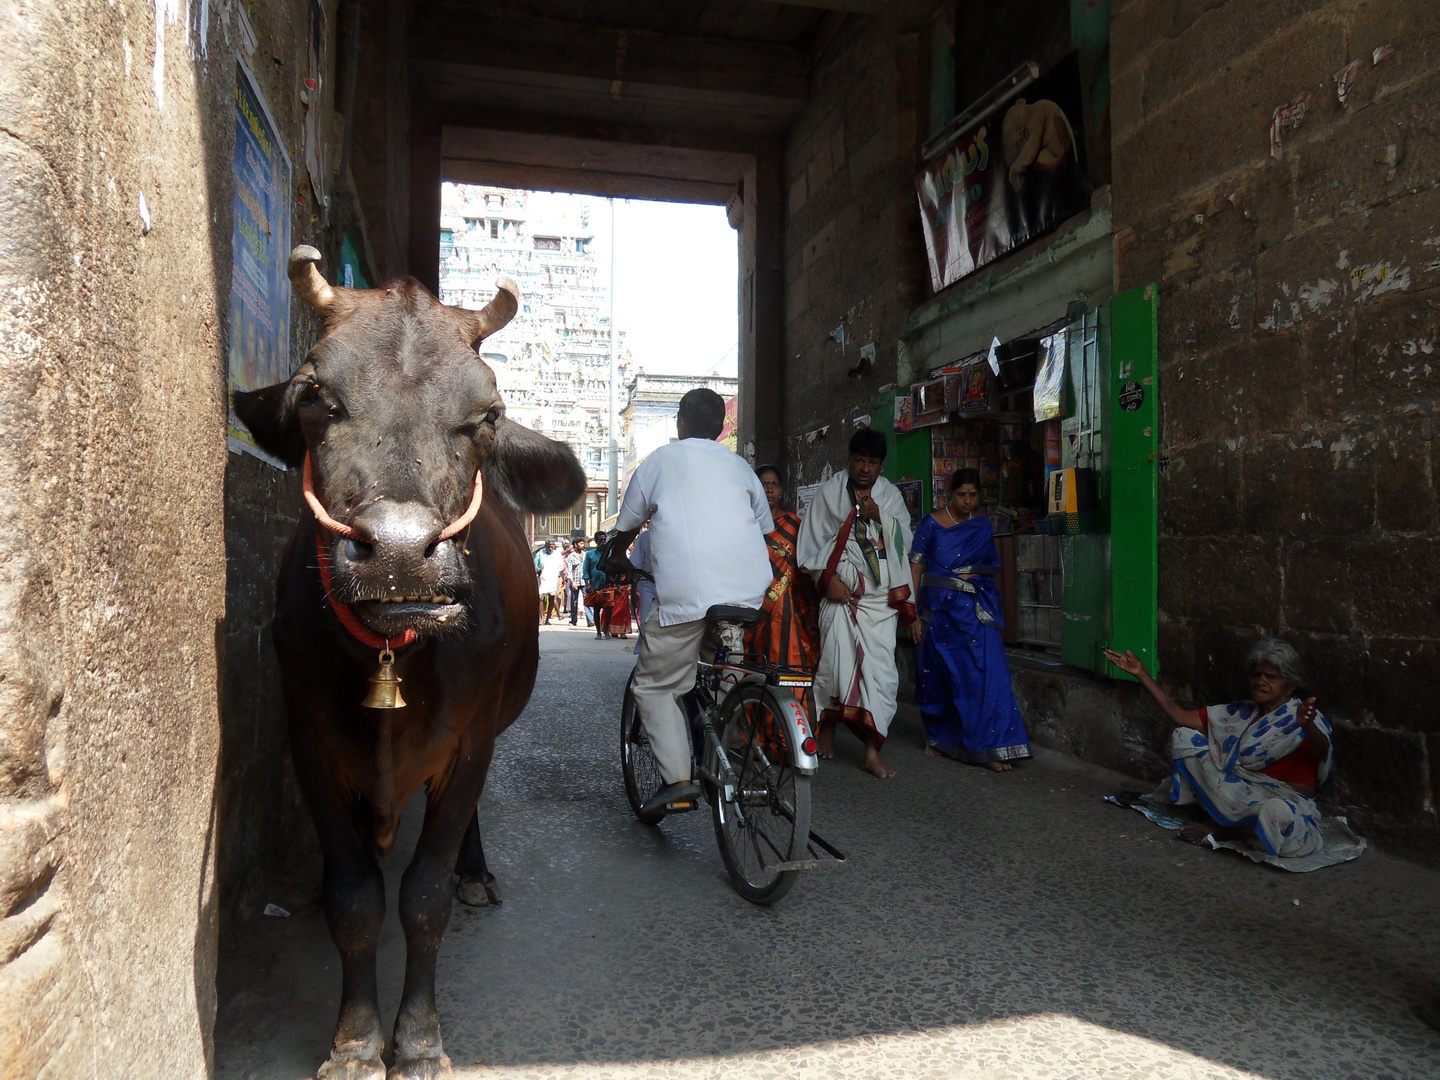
<point>595,584</point>
<point>855,537</point>
<point>575,582</point>
<point>646,600</point>
<point>552,567</point>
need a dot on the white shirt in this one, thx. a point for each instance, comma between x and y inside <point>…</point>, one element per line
<point>708,520</point>
<point>551,568</point>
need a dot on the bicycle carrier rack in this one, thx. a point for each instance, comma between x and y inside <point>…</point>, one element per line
<point>823,855</point>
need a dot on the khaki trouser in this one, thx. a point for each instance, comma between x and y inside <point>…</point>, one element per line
<point>665,670</point>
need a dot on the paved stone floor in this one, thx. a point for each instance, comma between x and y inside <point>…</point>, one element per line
<point>986,926</point>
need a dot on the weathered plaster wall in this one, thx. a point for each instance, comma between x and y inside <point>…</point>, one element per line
<point>261,818</point>
<point>144,777</point>
<point>111,583</point>
<point>1299,320</point>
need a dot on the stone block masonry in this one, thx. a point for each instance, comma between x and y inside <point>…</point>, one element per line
<point>1299,325</point>
<point>1300,315</point>
<point>853,260</point>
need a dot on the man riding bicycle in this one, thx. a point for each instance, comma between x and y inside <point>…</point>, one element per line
<point>708,519</point>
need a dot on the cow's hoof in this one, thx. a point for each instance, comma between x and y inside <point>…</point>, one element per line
<point>482,893</point>
<point>352,1069</point>
<point>427,1068</point>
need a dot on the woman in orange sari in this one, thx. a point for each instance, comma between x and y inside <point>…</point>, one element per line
<point>789,634</point>
<point>619,613</point>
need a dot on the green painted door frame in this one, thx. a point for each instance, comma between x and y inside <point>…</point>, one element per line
<point>1134,398</point>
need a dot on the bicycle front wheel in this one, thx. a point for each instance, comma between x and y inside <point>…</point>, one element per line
<point>637,758</point>
<point>763,824</point>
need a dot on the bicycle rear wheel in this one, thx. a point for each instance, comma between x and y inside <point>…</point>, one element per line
<point>637,758</point>
<point>766,823</point>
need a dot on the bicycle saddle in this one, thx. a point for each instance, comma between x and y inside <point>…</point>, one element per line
<point>733,613</point>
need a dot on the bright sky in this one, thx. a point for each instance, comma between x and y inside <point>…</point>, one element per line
<point>676,267</point>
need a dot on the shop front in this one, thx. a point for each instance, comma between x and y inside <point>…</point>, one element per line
<point>1060,420</point>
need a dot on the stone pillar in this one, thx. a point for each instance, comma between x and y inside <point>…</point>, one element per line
<point>761,301</point>
<point>424,260</point>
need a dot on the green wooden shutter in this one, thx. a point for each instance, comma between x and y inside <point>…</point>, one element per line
<point>1134,386</point>
<point>909,451</point>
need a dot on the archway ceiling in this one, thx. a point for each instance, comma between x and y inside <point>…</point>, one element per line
<point>650,98</point>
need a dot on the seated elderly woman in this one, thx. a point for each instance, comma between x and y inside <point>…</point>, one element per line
<point>1253,766</point>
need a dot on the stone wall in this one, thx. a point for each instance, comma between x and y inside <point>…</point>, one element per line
<point>854,255</point>
<point>265,832</point>
<point>111,539</point>
<point>1299,319</point>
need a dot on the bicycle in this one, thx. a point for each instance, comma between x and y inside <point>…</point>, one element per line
<point>754,753</point>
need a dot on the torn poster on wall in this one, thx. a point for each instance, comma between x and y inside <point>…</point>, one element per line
<point>311,97</point>
<point>1017,171</point>
<point>1287,118</point>
<point>259,253</point>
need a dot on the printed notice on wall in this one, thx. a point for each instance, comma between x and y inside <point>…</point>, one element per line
<point>804,496</point>
<point>260,246</point>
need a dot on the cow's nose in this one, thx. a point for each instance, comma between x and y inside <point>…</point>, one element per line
<point>398,538</point>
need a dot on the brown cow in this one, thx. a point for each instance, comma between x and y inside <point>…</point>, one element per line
<point>402,433</point>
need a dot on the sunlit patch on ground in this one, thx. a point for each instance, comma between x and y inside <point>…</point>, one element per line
<point>1025,1048</point>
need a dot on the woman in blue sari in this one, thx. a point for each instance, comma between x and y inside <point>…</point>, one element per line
<point>963,688</point>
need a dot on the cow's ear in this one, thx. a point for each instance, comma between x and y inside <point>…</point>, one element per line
<point>270,416</point>
<point>538,474</point>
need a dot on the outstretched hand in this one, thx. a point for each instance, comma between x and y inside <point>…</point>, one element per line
<point>1307,713</point>
<point>1127,662</point>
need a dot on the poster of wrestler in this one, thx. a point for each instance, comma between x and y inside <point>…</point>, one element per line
<point>1013,174</point>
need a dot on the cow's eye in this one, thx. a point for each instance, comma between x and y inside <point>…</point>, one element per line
<point>492,416</point>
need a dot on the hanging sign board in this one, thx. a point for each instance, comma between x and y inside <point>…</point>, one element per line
<point>259,250</point>
<point>1017,172</point>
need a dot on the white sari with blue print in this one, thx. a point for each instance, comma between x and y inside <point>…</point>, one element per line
<point>1222,770</point>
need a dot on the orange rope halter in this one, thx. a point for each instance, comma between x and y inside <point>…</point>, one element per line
<point>351,533</point>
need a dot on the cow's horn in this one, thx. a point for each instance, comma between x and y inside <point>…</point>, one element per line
<point>308,281</point>
<point>478,325</point>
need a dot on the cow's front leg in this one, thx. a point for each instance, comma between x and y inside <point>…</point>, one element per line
<point>353,896</point>
<point>477,884</point>
<point>424,913</point>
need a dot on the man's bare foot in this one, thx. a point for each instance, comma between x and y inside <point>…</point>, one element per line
<point>930,751</point>
<point>827,741</point>
<point>873,765</point>
<point>1194,833</point>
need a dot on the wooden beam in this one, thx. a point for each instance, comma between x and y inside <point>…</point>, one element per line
<point>612,59</point>
<point>591,166</point>
<point>438,115</point>
<point>500,92</point>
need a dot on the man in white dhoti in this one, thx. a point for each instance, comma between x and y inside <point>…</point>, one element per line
<point>854,541</point>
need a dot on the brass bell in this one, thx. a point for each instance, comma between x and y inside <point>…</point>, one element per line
<point>384,690</point>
